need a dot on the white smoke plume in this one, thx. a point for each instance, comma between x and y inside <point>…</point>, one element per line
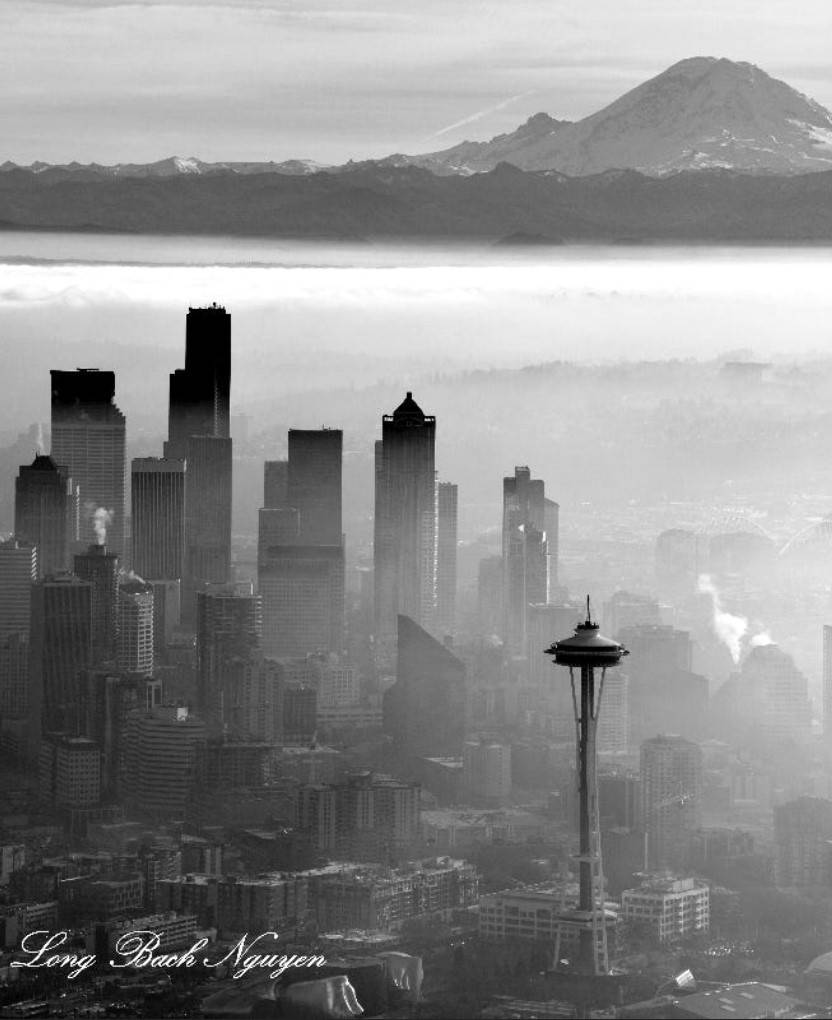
<point>127,576</point>
<point>101,520</point>
<point>763,638</point>
<point>729,629</point>
<point>40,446</point>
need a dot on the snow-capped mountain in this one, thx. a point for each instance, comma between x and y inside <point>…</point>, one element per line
<point>701,113</point>
<point>174,166</point>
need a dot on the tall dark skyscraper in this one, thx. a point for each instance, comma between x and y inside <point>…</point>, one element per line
<point>447,497</point>
<point>99,567</point>
<point>525,554</point>
<point>228,628</point>
<point>198,433</point>
<point>60,648</point>
<point>158,518</point>
<point>18,572</point>
<point>405,524</point>
<point>300,563</point>
<point>314,483</point>
<point>46,512</point>
<point>88,437</point>
<point>200,393</point>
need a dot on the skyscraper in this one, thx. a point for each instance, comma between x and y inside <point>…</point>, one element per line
<point>158,518</point>
<point>46,512</point>
<point>551,521</point>
<point>18,572</point>
<point>671,789</point>
<point>100,567</point>
<point>228,628</point>
<point>60,648</point>
<point>827,684</point>
<point>314,483</point>
<point>200,393</point>
<point>207,517</point>
<point>88,437</point>
<point>447,496</point>
<point>300,560</point>
<point>525,554</point>
<point>302,587</point>
<point>276,483</point>
<point>424,710</point>
<point>405,523</point>
<point>135,628</point>
<point>198,432</point>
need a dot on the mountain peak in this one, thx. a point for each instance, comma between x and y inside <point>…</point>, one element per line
<point>700,113</point>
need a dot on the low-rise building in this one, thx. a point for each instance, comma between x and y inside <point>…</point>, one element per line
<point>671,908</point>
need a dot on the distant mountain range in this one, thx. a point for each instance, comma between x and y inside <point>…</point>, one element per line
<point>708,150</point>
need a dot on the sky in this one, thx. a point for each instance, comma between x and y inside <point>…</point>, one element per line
<point>139,80</point>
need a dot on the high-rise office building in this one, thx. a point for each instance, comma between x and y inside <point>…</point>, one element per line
<point>46,512</point>
<point>551,521</point>
<point>228,629</point>
<point>486,772</point>
<point>199,433</point>
<point>446,547</point>
<point>99,566</point>
<point>490,596</point>
<point>671,790</point>
<point>88,437</point>
<point>158,517</point>
<point>803,842</point>
<point>276,483</point>
<point>302,588</point>
<point>162,747</point>
<point>207,517</point>
<point>624,609</point>
<point>300,561</point>
<point>135,628</point>
<point>405,524</point>
<point>18,572</point>
<point>314,483</point>
<point>665,696</point>
<point>773,699</point>
<point>525,554</point>
<point>200,393</point>
<point>70,771</point>
<point>424,710</point>
<point>60,648</point>
<point>827,683</point>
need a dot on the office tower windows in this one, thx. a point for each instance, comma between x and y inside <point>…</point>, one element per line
<point>525,554</point>
<point>447,496</point>
<point>276,483</point>
<point>228,628</point>
<point>46,512</point>
<point>671,785</point>
<point>60,648</point>
<point>158,517</point>
<point>135,628</point>
<point>100,567</point>
<point>88,437</point>
<point>300,561</point>
<point>18,572</point>
<point>405,523</point>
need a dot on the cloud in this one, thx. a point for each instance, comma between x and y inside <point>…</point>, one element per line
<point>480,114</point>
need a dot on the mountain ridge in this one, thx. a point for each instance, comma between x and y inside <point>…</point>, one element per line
<point>699,113</point>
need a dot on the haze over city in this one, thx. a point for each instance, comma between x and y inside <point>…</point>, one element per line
<point>415,509</point>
